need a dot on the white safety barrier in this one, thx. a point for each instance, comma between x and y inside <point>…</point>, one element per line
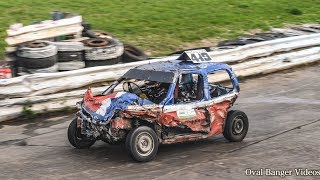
<point>43,91</point>
<point>41,84</point>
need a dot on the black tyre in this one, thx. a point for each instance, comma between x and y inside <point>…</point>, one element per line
<point>236,42</point>
<point>70,65</point>
<point>271,36</point>
<point>104,51</point>
<point>102,62</point>
<point>133,54</point>
<point>306,29</point>
<point>66,56</point>
<point>252,38</point>
<point>37,63</point>
<point>24,71</point>
<point>68,46</point>
<point>70,55</point>
<point>86,26</point>
<point>142,143</point>
<point>36,49</point>
<point>36,55</point>
<point>77,139</point>
<point>236,126</point>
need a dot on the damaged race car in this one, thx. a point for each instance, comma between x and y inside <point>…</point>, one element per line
<point>162,103</point>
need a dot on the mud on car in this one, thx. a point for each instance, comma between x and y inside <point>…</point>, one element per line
<point>161,103</point>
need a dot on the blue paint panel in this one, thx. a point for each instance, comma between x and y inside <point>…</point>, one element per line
<point>181,67</point>
<point>117,103</point>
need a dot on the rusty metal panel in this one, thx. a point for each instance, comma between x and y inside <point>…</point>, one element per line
<point>189,137</point>
<point>197,122</point>
<point>218,114</point>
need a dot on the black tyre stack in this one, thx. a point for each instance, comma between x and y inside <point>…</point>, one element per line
<point>36,57</point>
<point>70,55</point>
<point>125,52</point>
<point>102,51</point>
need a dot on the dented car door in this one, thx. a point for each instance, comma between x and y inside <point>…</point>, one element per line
<point>187,109</point>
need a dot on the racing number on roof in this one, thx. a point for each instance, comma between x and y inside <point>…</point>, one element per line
<point>198,56</point>
<point>201,57</point>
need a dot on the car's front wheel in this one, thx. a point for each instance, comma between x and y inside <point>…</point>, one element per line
<point>77,139</point>
<point>142,143</point>
<point>236,126</point>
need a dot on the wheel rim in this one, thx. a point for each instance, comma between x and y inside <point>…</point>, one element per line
<point>144,144</point>
<point>97,42</point>
<point>36,44</point>
<point>238,125</point>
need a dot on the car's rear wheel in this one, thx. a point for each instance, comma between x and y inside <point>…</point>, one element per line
<point>77,139</point>
<point>236,126</point>
<point>142,143</point>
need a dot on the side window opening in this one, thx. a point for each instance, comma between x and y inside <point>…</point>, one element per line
<point>150,90</point>
<point>219,83</point>
<point>189,87</point>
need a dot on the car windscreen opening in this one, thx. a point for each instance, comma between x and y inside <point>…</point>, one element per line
<point>150,75</point>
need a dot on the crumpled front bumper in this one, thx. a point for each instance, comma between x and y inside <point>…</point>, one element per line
<point>84,115</point>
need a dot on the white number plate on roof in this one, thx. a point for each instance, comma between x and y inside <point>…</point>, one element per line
<point>198,56</point>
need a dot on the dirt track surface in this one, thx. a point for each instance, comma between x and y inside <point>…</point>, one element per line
<point>284,133</point>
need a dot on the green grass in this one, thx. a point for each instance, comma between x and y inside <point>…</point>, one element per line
<point>162,26</point>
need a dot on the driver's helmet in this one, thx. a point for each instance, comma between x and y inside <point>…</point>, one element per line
<point>186,81</point>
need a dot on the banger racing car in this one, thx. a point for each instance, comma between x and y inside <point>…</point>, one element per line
<point>161,103</point>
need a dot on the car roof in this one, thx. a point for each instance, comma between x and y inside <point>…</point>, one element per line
<point>184,66</point>
<point>165,71</point>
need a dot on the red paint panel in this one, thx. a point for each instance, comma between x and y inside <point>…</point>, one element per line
<point>94,102</point>
<point>196,123</point>
<point>168,119</point>
<point>218,114</point>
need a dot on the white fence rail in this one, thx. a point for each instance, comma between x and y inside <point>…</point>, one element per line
<point>41,84</point>
<point>18,92</point>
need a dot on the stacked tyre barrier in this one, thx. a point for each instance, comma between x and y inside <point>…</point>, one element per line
<point>36,57</point>
<point>70,55</point>
<point>102,51</point>
<point>70,45</point>
<point>130,53</point>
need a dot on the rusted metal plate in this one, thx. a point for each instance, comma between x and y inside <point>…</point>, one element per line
<point>195,121</point>
<point>189,137</point>
<point>218,114</point>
